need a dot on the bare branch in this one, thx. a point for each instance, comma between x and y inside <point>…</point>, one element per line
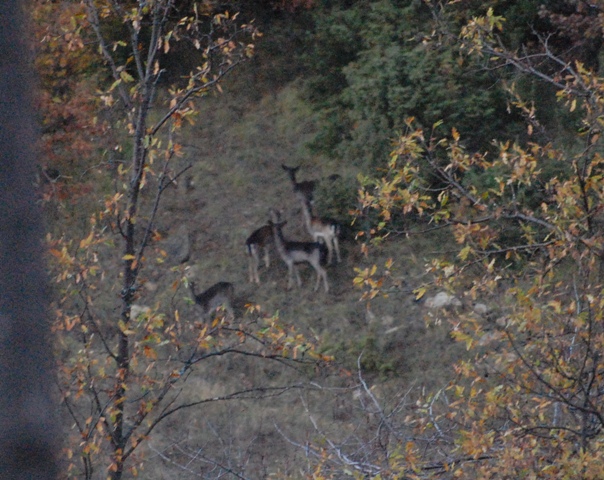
<point>93,19</point>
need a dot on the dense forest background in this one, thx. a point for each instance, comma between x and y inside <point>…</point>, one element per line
<point>457,144</point>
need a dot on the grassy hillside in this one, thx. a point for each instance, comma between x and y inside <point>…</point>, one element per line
<point>515,228</point>
<point>236,150</point>
<point>232,157</point>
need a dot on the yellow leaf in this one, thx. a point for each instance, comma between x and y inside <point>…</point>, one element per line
<point>128,257</point>
<point>455,134</point>
<point>126,77</point>
<point>419,292</point>
<point>86,241</point>
<point>465,251</point>
<point>573,105</point>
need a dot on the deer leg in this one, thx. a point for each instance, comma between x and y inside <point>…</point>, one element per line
<point>329,251</point>
<point>322,239</point>
<point>298,279</point>
<point>253,267</point>
<point>321,273</point>
<point>336,245</point>
<point>256,266</point>
<point>293,271</point>
<point>267,260</point>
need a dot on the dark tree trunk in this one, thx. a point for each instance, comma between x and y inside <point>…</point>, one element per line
<point>29,430</point>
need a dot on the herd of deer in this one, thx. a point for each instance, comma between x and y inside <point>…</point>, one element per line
<point>324,232</point>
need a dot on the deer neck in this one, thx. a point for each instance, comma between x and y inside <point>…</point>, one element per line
<point>279,240</point>
<point>307,216</point>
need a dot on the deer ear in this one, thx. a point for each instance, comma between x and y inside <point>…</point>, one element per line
<point>275,215</point>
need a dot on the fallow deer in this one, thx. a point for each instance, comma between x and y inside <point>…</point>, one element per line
<point>293,253</point>
<point>259,239</point>
<point>324,229</point>
<point>220,294</point>
<point>305,190</point>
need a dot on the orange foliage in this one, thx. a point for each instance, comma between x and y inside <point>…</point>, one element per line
<point>67,100</point>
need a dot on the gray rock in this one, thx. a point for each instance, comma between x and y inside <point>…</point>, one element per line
<point>178,246</point>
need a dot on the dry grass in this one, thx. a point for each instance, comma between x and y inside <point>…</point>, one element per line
<point>236,149</point>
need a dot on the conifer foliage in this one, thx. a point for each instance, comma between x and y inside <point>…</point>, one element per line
<point>528,229</point>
